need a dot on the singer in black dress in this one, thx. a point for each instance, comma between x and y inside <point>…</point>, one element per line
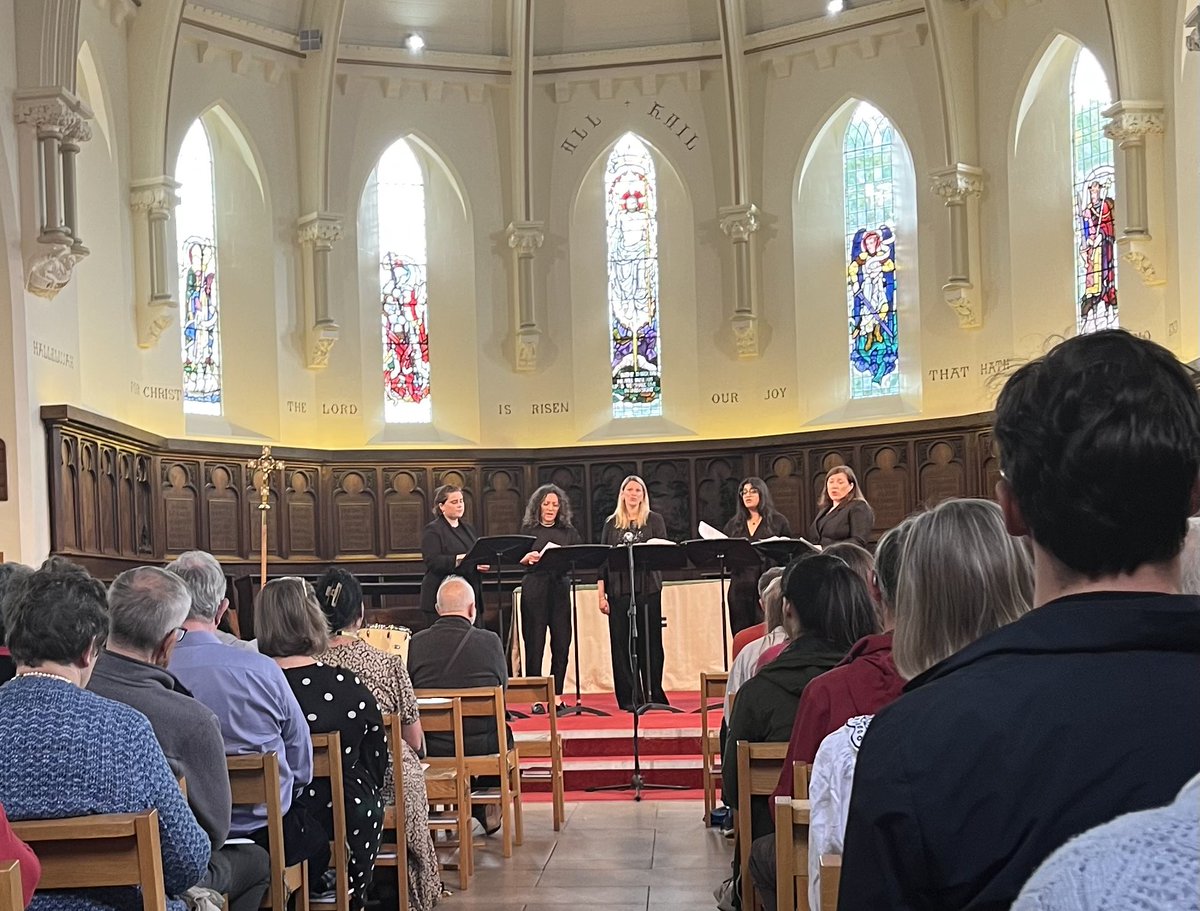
<point>546,597</point>
<point>845,514</point>
<point>633,522</point>
<point>446,540</point>
<point>755,520</point>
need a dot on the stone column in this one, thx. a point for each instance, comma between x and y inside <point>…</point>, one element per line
<point>1129,123</point>
<point>524,238</point>
<point>739,224</point>
<point>960,187</point>
<point>153,203</point>
<point>317,233</point>
<point>79,131</point>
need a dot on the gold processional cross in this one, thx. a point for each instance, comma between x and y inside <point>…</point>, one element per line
<point>262,468</point>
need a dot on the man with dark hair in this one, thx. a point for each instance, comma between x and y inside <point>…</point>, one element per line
<point>147,607</point>
<point>1082,709</point>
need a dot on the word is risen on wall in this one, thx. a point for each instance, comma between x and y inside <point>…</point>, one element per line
<point>670,120</point>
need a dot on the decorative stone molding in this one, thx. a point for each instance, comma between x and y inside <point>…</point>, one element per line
<point>319,343</point>
<point>1131,120</point>
<point>745,334</point>
<point>48,273</point>
<point>1129,123</point>
<point>316,233</point>
<point>956,184</point>
<point>1139,255</point>
<point>526,237</point>
<point>527,349</point>
<point>959,300</point>
<point>146,196</point>
<point>153,203</point>
<point>739,222</point>
<point>320,228</point>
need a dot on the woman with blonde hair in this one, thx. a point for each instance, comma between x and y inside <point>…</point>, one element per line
<point>633,522</point>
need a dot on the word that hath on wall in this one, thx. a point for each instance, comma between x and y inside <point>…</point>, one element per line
<point>672,122</point>
<point>578,135</point>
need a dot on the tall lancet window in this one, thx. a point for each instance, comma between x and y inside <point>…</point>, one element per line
<point>869,187</point>
<point>200,316</point>
<point>1093,179</point>
<point>632,219</point>
<point>400,204</point>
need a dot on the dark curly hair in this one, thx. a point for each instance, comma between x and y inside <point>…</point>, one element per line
<point>340,597</point>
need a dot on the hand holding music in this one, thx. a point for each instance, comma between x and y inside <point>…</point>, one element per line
<point>530,558</point>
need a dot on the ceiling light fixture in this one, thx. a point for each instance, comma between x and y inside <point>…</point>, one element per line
<point>414,42</point>
<point>835,6</point>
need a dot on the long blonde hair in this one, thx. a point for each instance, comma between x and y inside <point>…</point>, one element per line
<point>623,520</point>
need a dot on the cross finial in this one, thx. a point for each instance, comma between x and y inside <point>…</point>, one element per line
<point>265,464</point>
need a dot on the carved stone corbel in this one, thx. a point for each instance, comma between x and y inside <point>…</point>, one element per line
<point>153,203</point>
<point>739,223</point>
<point>316,233</point>
<point>1129,123</point>
<point>960,187</point>
<point>524,239</point>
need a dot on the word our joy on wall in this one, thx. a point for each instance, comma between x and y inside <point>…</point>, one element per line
<point>668,119</point>
<point>735,398</point>
<point>53,355</point>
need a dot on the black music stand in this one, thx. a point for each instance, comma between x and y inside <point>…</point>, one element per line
<point>724,554</point>
<point>783,550</point>
<point>491,551</point>
<point>572,560</point>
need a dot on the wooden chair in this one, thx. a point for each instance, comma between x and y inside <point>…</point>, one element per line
<point>327,763</point>
<point>488,702</point>
<point>11,896</point>
<point>393,852</point>
<point>759,766</point>
<point>541,744</point>
<point>712,694</point>
<point>254,781</point>
<point>831,879</point>
<point>447,782</point>
<point>86,852</point>
<point>791,853</point>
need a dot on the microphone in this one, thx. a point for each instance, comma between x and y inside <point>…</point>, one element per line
<point>627,537</point>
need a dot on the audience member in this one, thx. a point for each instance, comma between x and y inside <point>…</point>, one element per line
<point>12,848</point>
<point>1144,860</point>
<point>147,607</point>
<point>258,714</point>
<point>1048,726</point>
<point>770,594</point>
<point>386,677</point>
<point>291,629</point>
<point>205,579</point>
<point>67,752</point>
<point>1189,559</point>
<point>10,573</point>
<point>826,609</point>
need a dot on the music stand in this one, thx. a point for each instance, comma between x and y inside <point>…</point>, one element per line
<point>572,560</point>
<point>491,551</point>
<point>725,554</point>
<point>783,550</point>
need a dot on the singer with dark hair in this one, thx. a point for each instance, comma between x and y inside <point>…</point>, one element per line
<point>845,513</point>
<point>444,543</point>
<point>633,522</point>
<point>546,598</point>
<point>755,520</point>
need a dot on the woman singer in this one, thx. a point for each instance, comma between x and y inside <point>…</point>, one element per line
<point>546,597</point>
<point>444,543</point>
<point>633,522</point>
<point>845,514</point>
<point>755,519</point>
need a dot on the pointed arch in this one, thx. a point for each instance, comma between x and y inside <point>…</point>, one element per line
<point>631,221</point>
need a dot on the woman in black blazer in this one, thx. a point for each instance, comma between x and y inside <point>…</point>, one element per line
<point>845,514</point>
<point>754,520</point>
<point>446,540</point>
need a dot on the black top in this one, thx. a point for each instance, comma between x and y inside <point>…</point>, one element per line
<point>441,543</point>
<point>851,521</point>
<point>616,584</point>
<point>1080,711</point>
<point>562,535</point>
<point>774,527</point>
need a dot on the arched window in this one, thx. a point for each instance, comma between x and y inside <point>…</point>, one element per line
<point>199,318</point>
<point>632,221</point>
<point>869,187</point>
<point>400,205</point>
<point>1093,179</point>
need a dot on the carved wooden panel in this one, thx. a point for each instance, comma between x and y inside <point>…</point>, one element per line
<point>503,502</point>
<point>301,497</point>
<point>670,486</point>
<point>988,460</point>
<point>67,517</point>
<point>943,472</point>
<point>819,463</point>
<point>406,511</point>
<point>467,479</point>
<point>222,506</point>
<point>354,512</point>
<point>143,507</point>
<point>606,478</point>
<point>89,502</point>
<point>126,505</point>
<point>784,477</point>
<point>716,490</point>
<point>887,484</point>
<point>570,479</point>
<point>179,506</point>
<point>106,497</point>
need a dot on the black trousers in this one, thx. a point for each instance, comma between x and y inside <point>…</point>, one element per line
<point>649,647</point>
<point>546,605</point>
<point>243,872</point>
<point>304,838</point>
<point>742,596</point>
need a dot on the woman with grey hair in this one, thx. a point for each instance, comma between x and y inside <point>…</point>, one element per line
<point>546,597</point>
<point>9,573</point>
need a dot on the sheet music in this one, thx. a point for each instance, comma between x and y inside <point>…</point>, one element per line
<point>549,544</point>
<point>708,533</point>
<point>656,541</point>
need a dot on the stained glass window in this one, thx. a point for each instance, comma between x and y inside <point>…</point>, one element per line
<point>1093,181</point>
<point>631,211</point>
<point>869,187</point>
<point>400,198</point>
<point>199,306</point>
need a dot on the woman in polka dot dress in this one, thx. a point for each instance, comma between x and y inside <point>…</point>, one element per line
<point>291,629</point>
<point>386,677</point>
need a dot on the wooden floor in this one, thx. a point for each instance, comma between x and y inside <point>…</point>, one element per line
<point>655,855</point>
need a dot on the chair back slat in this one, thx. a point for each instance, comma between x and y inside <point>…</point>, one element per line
<point>327,763</point>
<point>11,896</point>
<point>759,767</point>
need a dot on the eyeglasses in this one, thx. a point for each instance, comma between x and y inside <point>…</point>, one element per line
<point>180,632</point>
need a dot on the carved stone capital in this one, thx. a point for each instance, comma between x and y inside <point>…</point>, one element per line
<point>954,185</point>
<point>738,223</point>
<point>320,228</point>
<point>53,110</point>
<point>154,195</point>
<point>527,350</point>
<point>1138,253</point>
<point>958,299</point>
<point>745,334</point>
<point>1134,120</point>
<point>321,339</point>
<point>526,237</point>
<point>50,269</point>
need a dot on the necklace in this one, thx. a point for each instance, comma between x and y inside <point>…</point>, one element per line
<point>47,676</point>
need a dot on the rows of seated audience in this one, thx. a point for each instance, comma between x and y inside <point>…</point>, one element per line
<point>998,708</point>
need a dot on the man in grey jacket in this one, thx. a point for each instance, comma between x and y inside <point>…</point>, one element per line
<point>147,607</point>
